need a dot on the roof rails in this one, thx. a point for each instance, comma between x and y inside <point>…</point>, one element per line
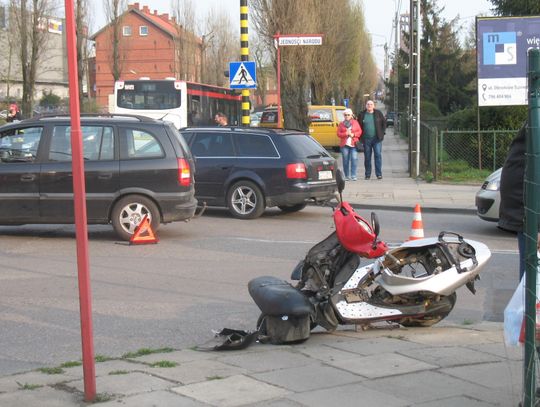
<point>111,115</point>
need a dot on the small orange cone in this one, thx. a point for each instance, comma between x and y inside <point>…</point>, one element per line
<point>417,228</point>
<point>143,233</point>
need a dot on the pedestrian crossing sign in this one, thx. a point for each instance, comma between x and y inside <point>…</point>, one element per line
<point>243,75</point>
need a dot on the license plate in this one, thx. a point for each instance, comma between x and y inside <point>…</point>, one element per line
<point>325,174</point>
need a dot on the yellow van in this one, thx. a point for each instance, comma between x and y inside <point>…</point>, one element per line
<point>324,121</point>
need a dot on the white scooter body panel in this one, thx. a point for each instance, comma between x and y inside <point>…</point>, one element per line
<point>444,283</point>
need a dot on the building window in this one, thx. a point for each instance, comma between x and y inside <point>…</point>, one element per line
<point>143,30</point>
<point>126,31</point>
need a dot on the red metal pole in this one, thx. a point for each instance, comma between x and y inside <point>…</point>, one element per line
<point>278,83</point>
<point>79,198</point>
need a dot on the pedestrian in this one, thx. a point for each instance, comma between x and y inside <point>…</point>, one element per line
<point>221,119</point>
<point>373,126</point>
<point>512,208</point>
<point>14,113</point>
<point>349,133</point>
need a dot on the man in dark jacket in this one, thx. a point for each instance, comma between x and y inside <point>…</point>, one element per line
<point>511,209</point>
<point>373,126</point>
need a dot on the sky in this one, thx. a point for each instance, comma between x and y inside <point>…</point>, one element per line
<point>379,15</point>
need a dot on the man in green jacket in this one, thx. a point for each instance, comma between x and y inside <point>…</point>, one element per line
<point>373,126</point>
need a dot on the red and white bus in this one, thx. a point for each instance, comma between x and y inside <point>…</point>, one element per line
<point>183,103</point>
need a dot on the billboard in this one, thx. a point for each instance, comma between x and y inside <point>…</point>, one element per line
<point>502,46</point>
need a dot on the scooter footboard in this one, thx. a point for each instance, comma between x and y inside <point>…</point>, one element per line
<point>277,297</point>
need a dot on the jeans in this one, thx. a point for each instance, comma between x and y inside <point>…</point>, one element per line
<point>350,161</point>
<point>373,145</point>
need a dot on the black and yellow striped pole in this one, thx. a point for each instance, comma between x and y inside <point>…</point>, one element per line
<point>244,55</point>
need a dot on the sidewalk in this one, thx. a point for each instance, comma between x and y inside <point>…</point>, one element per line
<point>399,191</point>
<point>446,365</point>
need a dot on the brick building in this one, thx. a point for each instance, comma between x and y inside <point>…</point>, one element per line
<point>151,45</point>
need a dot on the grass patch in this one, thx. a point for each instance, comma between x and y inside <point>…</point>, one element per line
<point>215,377</point>
<point>103,397</point>
<point>102,358</point>
<point>71,364</point>
<point>459,171</point>
<point>146,351</point>
<point>164,363</point>
<point>118,372</point>
<point>28,386</point>
<point>468,322</point>
<point>51,370</point>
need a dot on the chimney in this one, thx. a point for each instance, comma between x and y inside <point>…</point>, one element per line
<point>155,12</point>
<point>133,6</point>
<point>146,10</point>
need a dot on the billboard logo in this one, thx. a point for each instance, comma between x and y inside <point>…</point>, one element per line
<point>500,48</point>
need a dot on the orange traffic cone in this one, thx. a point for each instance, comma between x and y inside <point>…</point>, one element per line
<point>143,233</point>
<point>417,228</point>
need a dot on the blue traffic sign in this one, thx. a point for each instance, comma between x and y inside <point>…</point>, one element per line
<point>243,75</point>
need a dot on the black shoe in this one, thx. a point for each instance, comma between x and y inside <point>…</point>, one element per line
<point>367,178</point>
<point>379,176</point>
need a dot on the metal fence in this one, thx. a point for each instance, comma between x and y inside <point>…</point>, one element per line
<point>441,149</point>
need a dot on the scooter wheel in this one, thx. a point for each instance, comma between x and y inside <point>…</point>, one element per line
<point>261,324</point>
<point>442,309</point>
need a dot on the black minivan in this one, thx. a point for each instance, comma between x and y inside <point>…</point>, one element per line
<point>249,169</point>
<point>134,166</point>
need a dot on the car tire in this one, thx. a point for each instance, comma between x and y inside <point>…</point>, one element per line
<point>129,211</point>
<point>245,200</point>
<point>293,208</point>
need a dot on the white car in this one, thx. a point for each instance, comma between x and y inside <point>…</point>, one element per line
<point>488,197</point>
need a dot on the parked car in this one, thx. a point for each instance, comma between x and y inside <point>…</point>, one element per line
<point>255,119</point>
<point>390,116</point>
<point>488,197</point>
<point>134,166</point>
<point>250,169</point>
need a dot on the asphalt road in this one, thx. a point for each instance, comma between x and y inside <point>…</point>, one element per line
<point>195,280</point>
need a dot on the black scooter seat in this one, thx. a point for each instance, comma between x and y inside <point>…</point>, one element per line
<point>277,297</point>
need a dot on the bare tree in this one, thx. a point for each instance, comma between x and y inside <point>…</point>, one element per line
<point>262,57</point>
<point>221,48</point>
<point>7,42</point>
<point>188,45</point>
<point>114,10</point>
<point>82,20</point>
<point>30,19</point>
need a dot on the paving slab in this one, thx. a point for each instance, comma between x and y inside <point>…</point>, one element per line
<point>384,364</point>
<point>376,345</point>
<point>266,361</point>
<point>450,356</point>
<point>196,371</point>
<point>14,382</point>
<point>351,395</point>
<point>125,384</point>
<point>312,377</point>
<point>232,391</point>
<point>461,401</point>
<point>42,397</point>
<point>180,356</point>
<point>159,398</point>
<point>489,375</point>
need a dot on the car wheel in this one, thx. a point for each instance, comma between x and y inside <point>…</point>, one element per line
<point>130,211</point>
<point>245,200</point>
<point>293,208</point>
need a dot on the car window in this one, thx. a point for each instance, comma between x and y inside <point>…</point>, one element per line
<point>18,145</point>
<point>98,143</point>
<point>320,115</point>
<point>255,145</point>
<point>269,116</point>
<point>212,145</point>
<point>142,144</point>
<point>305,147</point>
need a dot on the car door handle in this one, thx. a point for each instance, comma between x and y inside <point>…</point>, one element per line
<point>107,175</point>
<point>28,177</point>
<point>225,167</point>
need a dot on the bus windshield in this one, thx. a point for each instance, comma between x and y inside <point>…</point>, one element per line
<point>154,95</point>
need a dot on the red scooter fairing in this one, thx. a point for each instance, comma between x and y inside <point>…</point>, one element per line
<point>356,234</point>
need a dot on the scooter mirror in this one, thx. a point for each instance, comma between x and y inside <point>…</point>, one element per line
<point>375,224</point>
<point>340,181</point>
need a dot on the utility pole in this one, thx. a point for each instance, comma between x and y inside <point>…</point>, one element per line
<point>414,88</point>
<point>244,56</point>
<point>396,73</point>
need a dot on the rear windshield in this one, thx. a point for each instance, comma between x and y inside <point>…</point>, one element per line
<point>304,146</point>
<point>181,140</point>
<point>269,116</point>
